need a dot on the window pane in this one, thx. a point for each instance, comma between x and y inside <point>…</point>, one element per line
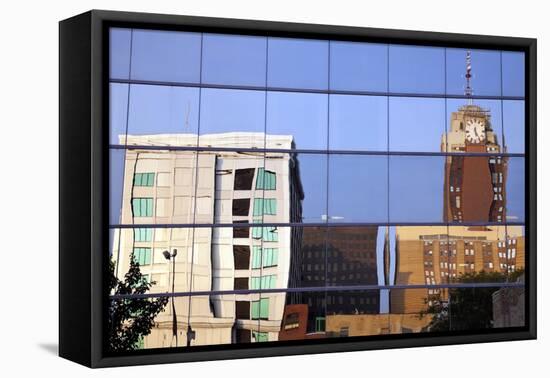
<point>266,180</point>
<point>358,66</point>
<point>229,178</point>
<point>415,69</point>
<point>118,111</point>
<point>515,190</point>
<point>265,206</point>
<point>416,188</point>
<point>234,60</point>
<point>232,118</point>
<point>132,174</point>
<point>514,126</point>
<point>244,178</point>
<point>241,256</point>
<point>362,305</point>
<point>513,73</point>
<point>358,123</point>
<point>417,124</point>
<point>300,116</point>
<point>475,127</point>
<point>119,53</point>
<point>358,188</point>
<point>166,56</point>
<point>311,188</point>
<point>485,71</point>
<point>297,63</point>
<point>241,206</point>
<point>299,315</point>
<point>116,185</point>
<point>355,255</point>
<point>241,284</point>
<point>156,110</point>
<point>419,254</point>
<point>474,190</point>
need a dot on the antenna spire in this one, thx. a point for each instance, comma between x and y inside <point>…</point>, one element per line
<point>468,91</point>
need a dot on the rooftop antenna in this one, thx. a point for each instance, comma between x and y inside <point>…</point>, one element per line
<point>468,91</point>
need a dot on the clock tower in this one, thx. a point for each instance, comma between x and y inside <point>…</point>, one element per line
<point>475,183</point>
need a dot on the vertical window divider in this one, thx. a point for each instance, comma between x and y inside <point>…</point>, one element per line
<point>195,184</point>
<point>388,292</point>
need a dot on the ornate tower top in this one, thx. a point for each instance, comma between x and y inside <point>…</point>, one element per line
<point>468,91</point>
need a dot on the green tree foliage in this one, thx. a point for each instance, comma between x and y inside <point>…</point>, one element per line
<point>468,308</point>
<point>131,319</point>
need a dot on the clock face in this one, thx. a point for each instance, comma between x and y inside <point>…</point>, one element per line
<point>475,130</point>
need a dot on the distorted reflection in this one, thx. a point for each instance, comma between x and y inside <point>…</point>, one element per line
<point>274,210</point>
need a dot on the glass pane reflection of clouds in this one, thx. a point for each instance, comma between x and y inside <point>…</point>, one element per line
<point>416,124</point>
<point>416,69</point>
<point>297,63</point>
<point>358,188</point>
<point>514,125</point>
<point>513,73</point>
<point>486,79</point>
<point>118,112</point>
<point>232,118</point>
<point>167,56</point>
<point>416,188</point>
<point>358,123</point>
<point>311,170</point>
<point>515,190</point>
<point>358,66</point>
<point>234,60</point>
<point>303,116</point>
<point>119,53</point>
<point>165,110</point>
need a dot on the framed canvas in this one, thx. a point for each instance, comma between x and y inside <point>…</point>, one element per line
<point>235,188</point>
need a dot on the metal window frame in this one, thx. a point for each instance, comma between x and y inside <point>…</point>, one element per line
<point>84,226</point>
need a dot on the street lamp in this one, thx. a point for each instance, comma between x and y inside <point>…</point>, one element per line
<point>172,257</point>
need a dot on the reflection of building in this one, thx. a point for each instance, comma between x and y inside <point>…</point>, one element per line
<point>375,324</point>
<point>475,186</point>
<point>474,192</point>
<point>339,256</point>
<point>508,306</point>
<point>295,324</point>
<point>176,186</point>
<point>440,254</point>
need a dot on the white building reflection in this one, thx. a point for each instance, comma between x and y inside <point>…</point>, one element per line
<point>175,186</point>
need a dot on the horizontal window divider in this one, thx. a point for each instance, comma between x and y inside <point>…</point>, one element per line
<point>323,289</point>
<point>305,90</point>
<point>298,151</point>
<point>312,224</point>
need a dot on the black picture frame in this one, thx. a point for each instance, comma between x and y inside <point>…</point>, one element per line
<point>83,180</point>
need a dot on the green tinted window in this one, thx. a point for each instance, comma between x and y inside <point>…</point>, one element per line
<point>144,179</point>
<point>264,282</point>
<point>266,180</point>
<point>142,256</point>
<point>256,257</point>
<point>260,336</point>
<point>260,309</point>
<point>142,207</point>
<point>265,206</point>
<point>143,234</point>
<point>269,257</point>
